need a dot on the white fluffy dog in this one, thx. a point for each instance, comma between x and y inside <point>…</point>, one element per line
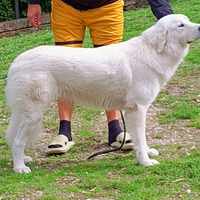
<point>126,76</point>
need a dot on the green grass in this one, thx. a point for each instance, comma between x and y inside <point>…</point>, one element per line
<point>119,178</point>
<point>116,175</point>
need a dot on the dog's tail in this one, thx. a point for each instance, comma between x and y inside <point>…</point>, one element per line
<point>14,127</point>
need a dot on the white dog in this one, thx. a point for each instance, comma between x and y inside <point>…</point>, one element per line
<point>126,76</point>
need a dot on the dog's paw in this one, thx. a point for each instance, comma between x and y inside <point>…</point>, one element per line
<point>149,162</point>
<point>22,170</point>
<point>152,152</point>
<point>27,159</point>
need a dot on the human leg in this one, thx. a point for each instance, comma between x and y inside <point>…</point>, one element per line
<point>106,27</point>
<point>113,125</point>
<point>63,141</point>
<point>65,110</point>
<point>68,30</point>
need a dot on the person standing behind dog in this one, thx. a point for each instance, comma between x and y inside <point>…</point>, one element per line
<point>104,19</point>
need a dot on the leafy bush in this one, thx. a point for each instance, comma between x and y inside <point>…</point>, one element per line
<point>7,8</point>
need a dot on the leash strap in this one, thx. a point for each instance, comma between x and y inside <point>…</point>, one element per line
<point>112,150</point>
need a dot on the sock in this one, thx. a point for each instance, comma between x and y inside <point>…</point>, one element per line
<point>65,129</point>
<point>114,130</point>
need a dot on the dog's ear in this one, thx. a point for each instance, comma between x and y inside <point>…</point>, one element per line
<point>159,40</point>
<point>157,37</point>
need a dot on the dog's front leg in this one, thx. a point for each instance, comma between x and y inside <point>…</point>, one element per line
<point>136,127</point>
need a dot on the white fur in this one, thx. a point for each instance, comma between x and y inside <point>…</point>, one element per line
<point>126,76</point>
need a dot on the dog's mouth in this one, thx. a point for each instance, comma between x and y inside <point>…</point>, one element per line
<point>189,42</point>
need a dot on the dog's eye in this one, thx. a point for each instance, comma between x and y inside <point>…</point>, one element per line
<point>182,25</point>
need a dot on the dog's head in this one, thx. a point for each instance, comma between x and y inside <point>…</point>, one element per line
<point>173,30</point>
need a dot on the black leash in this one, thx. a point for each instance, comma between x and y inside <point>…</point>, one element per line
<point>111,150</point>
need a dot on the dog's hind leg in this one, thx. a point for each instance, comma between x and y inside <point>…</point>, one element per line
<point>12,131</point>
<point>27,127</point>
<point>136,127</point>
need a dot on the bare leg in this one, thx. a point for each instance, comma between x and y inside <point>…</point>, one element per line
<point>112,115</point>
<point>65,110</point>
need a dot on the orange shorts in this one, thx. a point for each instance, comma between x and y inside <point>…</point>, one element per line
<point>105,24</point>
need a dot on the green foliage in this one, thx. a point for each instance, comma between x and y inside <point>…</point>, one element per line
<point>7,9</point>
<point>46,6</point>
